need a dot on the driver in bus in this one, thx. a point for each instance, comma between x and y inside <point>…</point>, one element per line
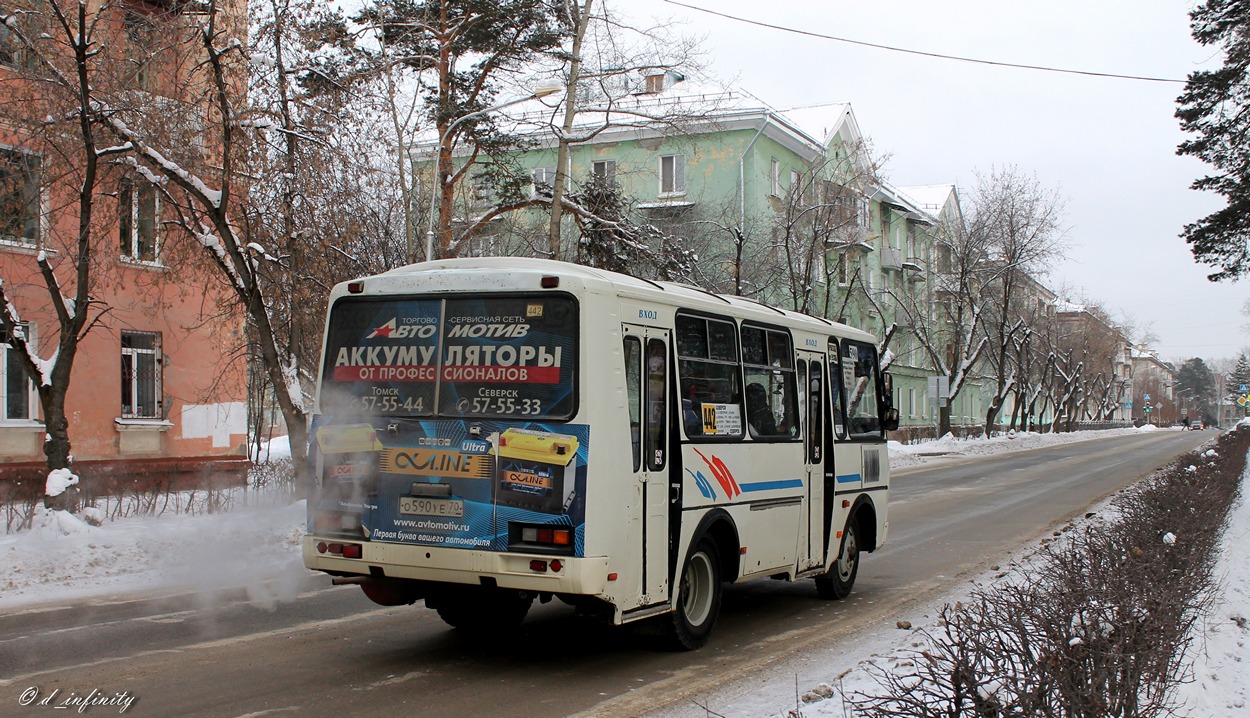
<point>759,416</point>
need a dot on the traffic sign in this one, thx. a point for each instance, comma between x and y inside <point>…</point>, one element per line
<point>1146,397</point>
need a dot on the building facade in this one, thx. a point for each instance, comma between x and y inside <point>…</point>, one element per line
<point>158,390</point>
<point>788,207</point>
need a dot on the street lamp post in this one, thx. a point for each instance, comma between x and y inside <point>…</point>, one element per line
<point>543,90</point>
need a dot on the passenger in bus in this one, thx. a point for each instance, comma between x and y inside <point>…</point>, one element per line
<point>759,415</point>
<point>690,417</point>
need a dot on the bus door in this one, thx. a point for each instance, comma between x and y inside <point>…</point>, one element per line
<point>843,473</point>
<point>811,405</point>
<point>648,375</point>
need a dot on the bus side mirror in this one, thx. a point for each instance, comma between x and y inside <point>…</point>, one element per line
<point>890,421</point>
<point>889,415</point>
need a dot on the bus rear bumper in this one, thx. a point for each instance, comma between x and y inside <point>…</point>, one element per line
<point>576,576</point>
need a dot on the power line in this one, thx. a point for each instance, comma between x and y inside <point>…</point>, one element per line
<point>1043,68</point>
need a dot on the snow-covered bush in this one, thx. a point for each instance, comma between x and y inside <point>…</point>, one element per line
<point>1097,625</point>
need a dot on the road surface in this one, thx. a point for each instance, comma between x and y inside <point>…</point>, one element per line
<point>331,652</point>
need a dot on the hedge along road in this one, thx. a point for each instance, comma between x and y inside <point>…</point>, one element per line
<point>333,653</point>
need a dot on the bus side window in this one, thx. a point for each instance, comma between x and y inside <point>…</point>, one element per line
<point>771,391</point>
<point>801,367</point>
<point>633,391</point>
<point>862,403</point>
<point>815,430</point>
<point>836,392</point>
<point>710,375</point>
<point>657,412</point>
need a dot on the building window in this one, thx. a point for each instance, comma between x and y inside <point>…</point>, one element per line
<point>844,269</point>
<point>604,170</point>
<point>141,375</point>
<point>672,174</point>
<point>11,53</point>
<point>944,259</point>
<point>140,50</point>
<point>19,196</point>
<point>654,83</point>
<point>543,177</point>
<point>775,178</point>
<point>795,184</point>
<point>30,22</point>
<point>138,210</point>
<point>15,384</point>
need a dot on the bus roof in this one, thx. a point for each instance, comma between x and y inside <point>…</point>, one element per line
<point>509,273</point>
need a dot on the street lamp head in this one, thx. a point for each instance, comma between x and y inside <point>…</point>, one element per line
<point>547,88</point>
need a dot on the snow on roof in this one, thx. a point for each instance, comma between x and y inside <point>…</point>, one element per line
<point>931,198</point>
<point>682,104</point>
<point>823,121</point>
<point>1063,305</point>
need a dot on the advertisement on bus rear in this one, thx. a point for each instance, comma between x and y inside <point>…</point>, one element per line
<point>511,357</point>
<point>461,484</point>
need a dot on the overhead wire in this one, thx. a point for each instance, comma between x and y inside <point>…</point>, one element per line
<point>922,53</point>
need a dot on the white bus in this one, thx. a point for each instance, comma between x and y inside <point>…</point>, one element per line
<point>491,431</point>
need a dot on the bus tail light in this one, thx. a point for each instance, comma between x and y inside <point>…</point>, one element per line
<point>543,538</point>
<point>547,535</point>
<point>346,550</point>
<point>355,287</point>
<point>550,282</point>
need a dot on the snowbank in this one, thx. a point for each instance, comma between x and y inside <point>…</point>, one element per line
<point>64,558</point>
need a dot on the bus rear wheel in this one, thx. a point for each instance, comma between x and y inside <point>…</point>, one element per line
<point>698,599</point>
<point>837,582</point>
<point>481,610</point>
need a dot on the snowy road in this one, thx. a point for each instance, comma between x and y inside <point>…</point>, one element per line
<point>331,652</point>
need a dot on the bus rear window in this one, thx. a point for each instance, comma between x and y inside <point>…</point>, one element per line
<point>496,357</point>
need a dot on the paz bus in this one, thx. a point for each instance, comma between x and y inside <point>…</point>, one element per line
<point>498,430</point>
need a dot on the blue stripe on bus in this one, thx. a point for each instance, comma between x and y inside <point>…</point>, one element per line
<point>849,478</point>
<point>770,485</point>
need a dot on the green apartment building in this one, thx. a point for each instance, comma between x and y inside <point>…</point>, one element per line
<point>784,207</point>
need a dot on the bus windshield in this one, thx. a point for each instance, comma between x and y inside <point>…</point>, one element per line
<point>494,357</point>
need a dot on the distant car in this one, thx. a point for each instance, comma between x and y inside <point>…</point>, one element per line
<point>1196,426</point>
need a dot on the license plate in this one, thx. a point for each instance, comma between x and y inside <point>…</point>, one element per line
<point>424,506</point>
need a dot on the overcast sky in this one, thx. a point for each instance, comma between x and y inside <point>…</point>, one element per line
<point>1106,145</point>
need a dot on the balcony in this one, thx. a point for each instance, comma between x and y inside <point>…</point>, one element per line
<point>892,259</point>
<point>915,269</point>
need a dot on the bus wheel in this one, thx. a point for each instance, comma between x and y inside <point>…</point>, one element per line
<point>482,610</point>
<point>837,582</point>
<point>698,599</point>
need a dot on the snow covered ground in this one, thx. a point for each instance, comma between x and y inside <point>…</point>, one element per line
<point>64,559</point>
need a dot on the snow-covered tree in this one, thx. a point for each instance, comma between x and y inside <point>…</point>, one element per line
<point>820,215</point>
<point>1017,221</point>
<point>1215,107</point>
<point>462,53</point>
<point>948,331</point>
<point>59,54</point>
<point>1196,383</point>
<point>237,192</point>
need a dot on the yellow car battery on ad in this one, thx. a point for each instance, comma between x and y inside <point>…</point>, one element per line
<point>534,469</point>
<point>347,459</point>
